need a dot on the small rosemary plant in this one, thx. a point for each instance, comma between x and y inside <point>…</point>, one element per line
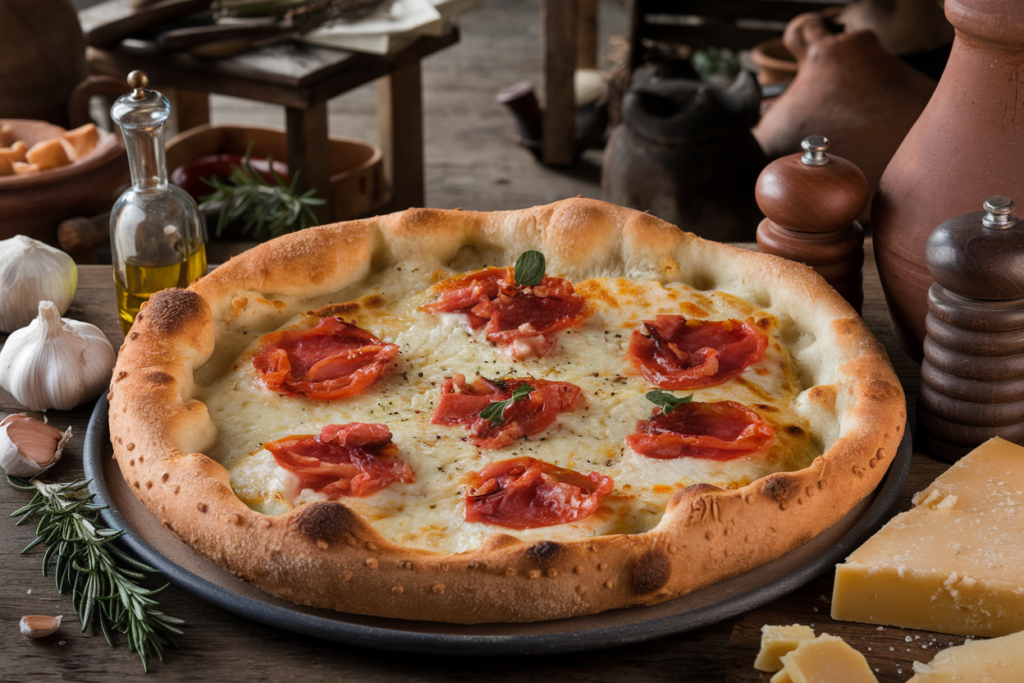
<point>266,210</point>
<point>103,580</point>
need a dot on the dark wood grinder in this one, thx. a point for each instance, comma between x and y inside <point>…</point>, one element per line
<point>972,378</point>
<point>812,201</point>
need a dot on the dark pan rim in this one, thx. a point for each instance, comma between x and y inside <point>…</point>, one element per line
<point>398,639</point>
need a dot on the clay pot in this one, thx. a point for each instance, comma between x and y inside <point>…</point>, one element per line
<point>357,180</point>
<point>849,89</point>
<point>775,63</point>
<point>684,152</point>
<point>42,59</point>
<point>966,146</point>
<point>35,204</point>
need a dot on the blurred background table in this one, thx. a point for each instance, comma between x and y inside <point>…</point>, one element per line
<point>301,78</point>
<point>224,647</point>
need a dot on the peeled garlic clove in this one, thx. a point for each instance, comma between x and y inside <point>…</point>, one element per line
<point>39,626</point>
<point>56,362</point>
<point>30,272</point>
<point>29,447</point>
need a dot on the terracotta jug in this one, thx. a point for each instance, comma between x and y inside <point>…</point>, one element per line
<point>684,152</point>
<point>42,59</point>
<point>849,89</point>
<point>967,145</point>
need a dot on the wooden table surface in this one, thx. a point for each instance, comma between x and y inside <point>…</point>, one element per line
<point>220,646</point>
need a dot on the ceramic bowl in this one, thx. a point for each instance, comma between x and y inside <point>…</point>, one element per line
<point>357,171</point>
<point>34,204</point>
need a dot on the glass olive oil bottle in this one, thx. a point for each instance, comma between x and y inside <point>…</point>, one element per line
<point>156,231</point>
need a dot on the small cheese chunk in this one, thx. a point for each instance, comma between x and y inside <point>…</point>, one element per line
<point>955,562</point>
<point>15,152</point>
<point>6,135</point>
<point>777,641</point>
<point>1000,660</point>
<point>6,166</point>
<point>21,168</point>
<point>81,140</point>
<point>48,154</point>
<point>826,659</point>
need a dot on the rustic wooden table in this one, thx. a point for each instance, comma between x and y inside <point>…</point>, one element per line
<point>220,646</point>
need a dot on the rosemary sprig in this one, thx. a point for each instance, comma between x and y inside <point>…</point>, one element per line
<point>267,210</point>
<point>102,580</point>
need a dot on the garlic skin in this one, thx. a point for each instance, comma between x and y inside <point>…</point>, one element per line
<point>39,626</point>
<point>30,272</point>
<point>56,362</point>
<point>29,447</point>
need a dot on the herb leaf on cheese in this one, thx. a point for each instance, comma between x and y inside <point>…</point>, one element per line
<point>666,400</point>
<point>530,267</point>
<point>495,412</point>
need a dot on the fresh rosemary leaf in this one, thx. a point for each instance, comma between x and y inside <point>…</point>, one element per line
<point>264,210</point>
<point>495,412</point>
<point>102,580</point>
<point>530,267</point>
<point>666,400</point>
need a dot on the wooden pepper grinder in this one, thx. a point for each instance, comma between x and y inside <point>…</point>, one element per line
<point>812,201</point>
<point>972,378</point>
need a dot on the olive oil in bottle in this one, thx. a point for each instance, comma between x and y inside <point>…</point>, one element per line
<point>143,281</point>
<point>156,231</point>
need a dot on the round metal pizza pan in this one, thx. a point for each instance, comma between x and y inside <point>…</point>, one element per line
<point>155,545</point>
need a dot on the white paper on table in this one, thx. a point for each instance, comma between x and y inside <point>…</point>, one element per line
<point>344,36</point>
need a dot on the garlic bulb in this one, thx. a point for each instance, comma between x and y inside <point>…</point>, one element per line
<point>56,362</point>
<point>30,272</point>
<point>29,447</point>
<point>39,625</point>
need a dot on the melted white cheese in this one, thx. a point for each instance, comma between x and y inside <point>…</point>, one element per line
<point>429,513</point>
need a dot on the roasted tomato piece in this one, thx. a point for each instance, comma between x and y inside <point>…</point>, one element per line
<point>461,403</point>
<point>333,360</point>
<point>675,353</point>
<point>720,430</point>
<point>521,320</point>
<point>344,460</point>
<point>524,493</point>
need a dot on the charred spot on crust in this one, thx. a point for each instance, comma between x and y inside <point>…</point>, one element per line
<point>327,522</point>
<point>651,572</point>
<point>880,390</point>
<point>373,301</point>
<point>781,488</point>
<point>794,430</point>
<point>544,553</point>
<point>172,309</point>
<point>160,378</point>
<point>338,309</point>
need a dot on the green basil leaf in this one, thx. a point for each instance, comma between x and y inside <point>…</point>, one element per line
<point>495,412</point>
<point>530,269</point>
<point>666,400</point>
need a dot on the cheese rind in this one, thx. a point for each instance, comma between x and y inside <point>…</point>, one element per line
<point>827,659</point>
<point>1000,660</point>
<point>955,562</point>
<point>777,641</point>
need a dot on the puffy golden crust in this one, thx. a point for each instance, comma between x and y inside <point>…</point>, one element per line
<point>325,555</point>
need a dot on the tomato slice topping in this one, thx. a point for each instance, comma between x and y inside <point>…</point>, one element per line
<point>524,493</point>
<point>521,320</point>
<point>344,460</point>
<point>461,403</point>
<point>677,353</point>
<point>333,360</point>
<point>721,430</point>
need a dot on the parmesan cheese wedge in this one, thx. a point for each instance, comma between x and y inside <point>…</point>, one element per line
<point>826,659</point>
<point>48,154</point>
<point>955,562</point>
<point>1000,660</point>
<point>16,152</point>
<point>777,641</point>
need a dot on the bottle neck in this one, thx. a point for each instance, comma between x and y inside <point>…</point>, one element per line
<point>146,157</point>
